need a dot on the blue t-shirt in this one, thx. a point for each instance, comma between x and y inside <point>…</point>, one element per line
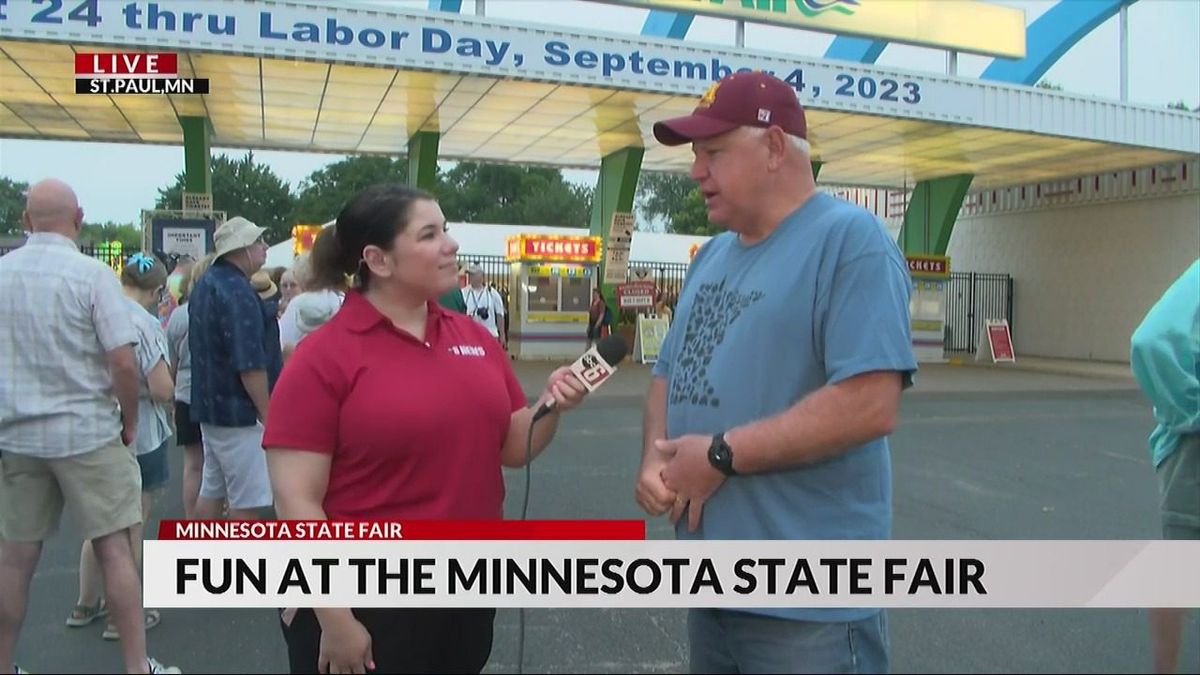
<point>230,331</point>
<point>757,328</point>
<point>1165,357</point>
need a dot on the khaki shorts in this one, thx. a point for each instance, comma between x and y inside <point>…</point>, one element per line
<point>1179,481</point>
<point>102,489</point>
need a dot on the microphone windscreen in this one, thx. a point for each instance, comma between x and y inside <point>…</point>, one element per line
<point>612,349</point>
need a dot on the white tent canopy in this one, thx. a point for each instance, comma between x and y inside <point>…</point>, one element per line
<point>487,239</point>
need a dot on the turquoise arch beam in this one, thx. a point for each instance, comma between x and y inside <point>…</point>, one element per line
<point>861,50</point>
<point>674,25</point>
<point>452,6</point>
<point>1051,36</point>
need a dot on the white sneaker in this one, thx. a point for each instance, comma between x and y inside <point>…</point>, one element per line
<point>156,667</point>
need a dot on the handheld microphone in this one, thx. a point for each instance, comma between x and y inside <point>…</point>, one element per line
<point>593,368</point>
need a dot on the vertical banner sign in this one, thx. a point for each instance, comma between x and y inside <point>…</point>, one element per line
<point>616,257</point>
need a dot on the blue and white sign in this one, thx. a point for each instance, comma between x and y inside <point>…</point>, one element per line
<point>455,44</point>
<point>438,42</point>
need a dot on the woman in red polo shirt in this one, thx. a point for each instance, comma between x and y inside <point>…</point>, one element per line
<point>398,409</point>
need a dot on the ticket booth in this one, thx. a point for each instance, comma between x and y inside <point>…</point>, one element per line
<point>552,277</point>
<point>927,307</point>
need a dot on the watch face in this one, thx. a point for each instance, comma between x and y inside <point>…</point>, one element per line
<point>720,455</point>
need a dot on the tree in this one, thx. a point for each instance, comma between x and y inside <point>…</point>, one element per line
<point>675,199</point>
<point>550,200</point>
<point>244,188</point>
<point>661,195</point>
<point>322,195</point>
<point>1047,84</point>
<point>693,218</point>
<point>128,234</point>
<point>512,195</point>
<point>1179,105</point>
<point>12,205</point>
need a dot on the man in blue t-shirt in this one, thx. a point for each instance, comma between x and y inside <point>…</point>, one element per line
<point>780,378</point>
<point>1165,358</point>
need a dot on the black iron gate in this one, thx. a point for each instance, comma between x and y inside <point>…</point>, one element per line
<point>972,298</point>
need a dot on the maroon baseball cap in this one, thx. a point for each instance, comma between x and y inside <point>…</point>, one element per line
<point>753,99</point>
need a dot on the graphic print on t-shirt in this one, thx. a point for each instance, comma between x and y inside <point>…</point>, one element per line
<point>713,310</point>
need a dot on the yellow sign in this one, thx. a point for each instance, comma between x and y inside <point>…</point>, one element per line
<point>928,266</point>
<point>562,270</point>
<point>963,25</point>
<point>649,339</point>
<point>557,317</point>
<point>552,248</point>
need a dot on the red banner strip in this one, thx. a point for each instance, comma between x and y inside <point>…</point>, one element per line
<point>391,530</point>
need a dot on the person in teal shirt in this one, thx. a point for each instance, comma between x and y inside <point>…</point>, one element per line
<point>1165,358</point>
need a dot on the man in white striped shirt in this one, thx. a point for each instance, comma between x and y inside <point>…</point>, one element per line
<point>68,411</point>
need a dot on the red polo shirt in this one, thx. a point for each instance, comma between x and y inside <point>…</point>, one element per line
<point>415,428</point>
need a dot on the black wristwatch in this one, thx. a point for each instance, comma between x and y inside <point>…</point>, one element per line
<point>720,455</point>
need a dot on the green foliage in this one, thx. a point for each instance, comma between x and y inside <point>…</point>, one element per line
<point>322,195</point>
<point>512,195</point>
<point>675,199</point>
<point>243,187</point>
<point>693,218</point>
<point>128,234</point>
<point>12,205</point>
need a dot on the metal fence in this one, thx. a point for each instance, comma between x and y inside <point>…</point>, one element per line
<point>113,256</point>
<point>495,269</point>
<point>668,276</point>
<point>972,298</point>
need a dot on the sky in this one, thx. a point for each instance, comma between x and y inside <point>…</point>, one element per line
<point>1164,66</point>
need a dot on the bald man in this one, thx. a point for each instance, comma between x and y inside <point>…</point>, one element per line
<point>68,412</point>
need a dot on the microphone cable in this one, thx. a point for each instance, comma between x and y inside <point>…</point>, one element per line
<point>524,514</point>
<point>610,351</point>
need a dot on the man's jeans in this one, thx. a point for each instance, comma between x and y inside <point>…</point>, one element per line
<point>724,641</point>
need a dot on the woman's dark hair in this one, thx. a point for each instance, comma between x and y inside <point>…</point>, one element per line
<point>372,218</point>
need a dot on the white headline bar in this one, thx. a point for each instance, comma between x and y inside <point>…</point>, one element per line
<point>913,574</point>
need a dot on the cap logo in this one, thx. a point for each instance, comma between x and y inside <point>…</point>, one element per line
<point>764,115</point>
<point>709,96</point>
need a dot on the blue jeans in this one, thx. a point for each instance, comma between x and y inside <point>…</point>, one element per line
<point>725,641</point>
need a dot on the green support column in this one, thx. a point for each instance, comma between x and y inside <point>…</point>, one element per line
<point>422,159</point>
<point>615,190</point>
<point>931,214</point>
<point>816,167</point>
<point>197,153</point>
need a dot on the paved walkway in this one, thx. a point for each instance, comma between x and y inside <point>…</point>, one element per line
<point>1031,375</point>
